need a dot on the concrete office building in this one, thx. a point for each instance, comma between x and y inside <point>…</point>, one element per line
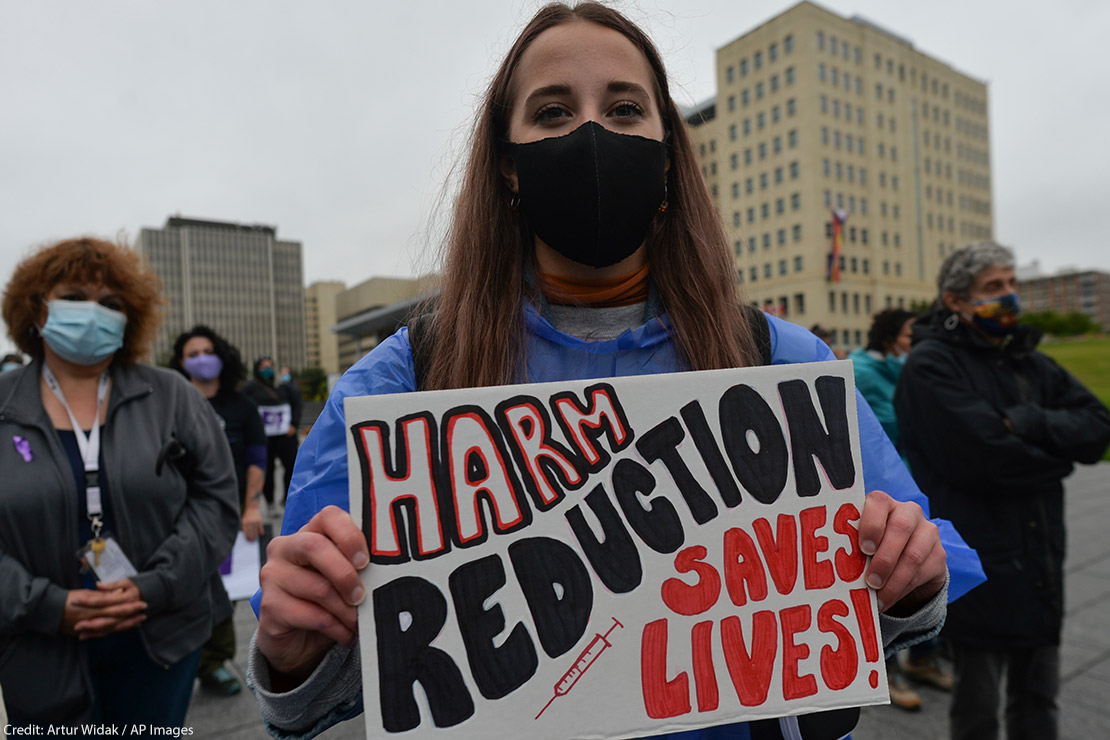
<point>239,279</point>
<point>1082,291</point>
<point>322,344</point>
<point>816,113</point>
<point>372,310</point>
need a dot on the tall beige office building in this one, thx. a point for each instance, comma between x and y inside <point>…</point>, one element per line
<point>322,344</point>
<point>238,279</point>
<point>816,113</point>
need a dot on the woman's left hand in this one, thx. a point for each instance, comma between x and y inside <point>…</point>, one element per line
<point>908,565</point>
<point>120,592</point>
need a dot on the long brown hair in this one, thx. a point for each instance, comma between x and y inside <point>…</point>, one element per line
<point>478,324</point>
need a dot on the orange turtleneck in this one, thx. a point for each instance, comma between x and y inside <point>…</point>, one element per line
<point>624,290</point>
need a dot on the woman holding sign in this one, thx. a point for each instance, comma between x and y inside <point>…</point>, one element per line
<point>118,499</point>
<point>584,245</point>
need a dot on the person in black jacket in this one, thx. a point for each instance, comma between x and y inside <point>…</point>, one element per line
<point>991,427</point>
<point>280,407</point>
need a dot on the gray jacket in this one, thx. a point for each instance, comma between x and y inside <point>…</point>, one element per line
<point>176,527</point>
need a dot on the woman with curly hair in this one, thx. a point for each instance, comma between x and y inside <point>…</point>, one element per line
<point>119,499</point>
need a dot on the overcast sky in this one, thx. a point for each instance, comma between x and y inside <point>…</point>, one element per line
<point>338,121</point>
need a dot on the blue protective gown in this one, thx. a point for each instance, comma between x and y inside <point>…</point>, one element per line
<point>320,475</point>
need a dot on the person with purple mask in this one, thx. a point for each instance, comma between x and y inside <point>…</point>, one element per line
<point>214,367</point>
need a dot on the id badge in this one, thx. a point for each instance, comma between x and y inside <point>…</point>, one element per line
<point>111,565</point>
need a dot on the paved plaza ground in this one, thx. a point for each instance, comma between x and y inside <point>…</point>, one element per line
<point>1084,695</point>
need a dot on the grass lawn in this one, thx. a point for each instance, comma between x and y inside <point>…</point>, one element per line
<point>1088,359</point>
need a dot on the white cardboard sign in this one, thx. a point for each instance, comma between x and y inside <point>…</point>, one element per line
<point>613,558</point>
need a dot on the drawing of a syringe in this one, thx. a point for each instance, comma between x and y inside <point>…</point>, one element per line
<point>585,659</point>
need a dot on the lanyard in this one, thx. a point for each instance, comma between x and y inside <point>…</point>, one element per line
<point>89,445</point>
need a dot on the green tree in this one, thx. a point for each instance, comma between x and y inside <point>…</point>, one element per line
<point>314,383</point>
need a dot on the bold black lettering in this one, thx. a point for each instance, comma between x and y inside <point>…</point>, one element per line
<point>498,671</point>
<point>584,425</point>
<point>409,485</point>
<point>710,453</point>
<point>560,615</point>
<point>405,656</point>
<point>657,522</point>
<point>829,443</point>
<point>762,473</point>
<point>547,467</point>
<point>661,443</point>
<point>478,468</point>
<point>615,559</point>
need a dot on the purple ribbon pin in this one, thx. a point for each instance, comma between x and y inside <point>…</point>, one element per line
<point>23,447</point>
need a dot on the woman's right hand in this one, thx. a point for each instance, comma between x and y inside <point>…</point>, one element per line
<point>310,588</point>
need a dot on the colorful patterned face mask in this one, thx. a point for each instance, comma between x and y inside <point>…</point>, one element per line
<point>997,316</point>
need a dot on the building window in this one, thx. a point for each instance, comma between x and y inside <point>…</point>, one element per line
<point>825,167</point>
<point>745,97</point>
<point>736,218</point>
<point>762,180</point>
<point>795,201</point>
<point>761,120</point>
<point>762,150</point>
<point>792,138</point>
<point>798,264</point>
<point>767,245</point>
<point>778,175</point>
<point>825,135</point>
<point>747,126</point>
<point>780,206</point>
<point>782,263</point>
<point>734,161</point>
<point>743,67</point>
<point>789,75</point>
<point>773,52</point>
<point>736,193</point>
<point>821,71</point>
<point>797,233</point>
<point>759,91</point>
<point>776,144</point>
<point>767,266</point>
<point>765,211</point>
<point>729,73</point>
<point>774,83</point>
<point>754,275</point>
<point>821,40</point>
<point>748,156</point>
<point>788,45</point>
<point>757,60</point>
<point>732,132</point>
<point>794,170</point>
<point>790,107</point>
<point>776,114</point>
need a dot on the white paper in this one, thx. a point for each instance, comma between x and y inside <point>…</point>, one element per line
<point>596,605</point>
<point>246,561</point>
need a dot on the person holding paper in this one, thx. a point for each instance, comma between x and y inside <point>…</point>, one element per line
<point>991,427</point>
<point>214,368</point>
<point>584,245</point>
<point>280,408</point>
<point>118,499</point>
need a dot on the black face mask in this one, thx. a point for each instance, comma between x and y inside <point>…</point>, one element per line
<point>591,195</point>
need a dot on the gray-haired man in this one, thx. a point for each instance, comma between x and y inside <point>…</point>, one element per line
<point>990,428</point>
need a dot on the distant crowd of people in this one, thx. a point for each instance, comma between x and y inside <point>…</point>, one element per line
<point>584,245</point>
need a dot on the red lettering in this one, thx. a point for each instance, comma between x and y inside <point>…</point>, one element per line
<point>839,666</point>
<point>744,573</point>
<point>849,565</point>
<point>529,430</point>
<point>781,552</point>
<point>705,675</point>
<point>469,438</point>
<point>412,482</point>
<point>795,686</point>
<point>861,603</point>
<point>816,574</point>
<point>750,671</point>
<point>687,599</point>
<point>662,698</point>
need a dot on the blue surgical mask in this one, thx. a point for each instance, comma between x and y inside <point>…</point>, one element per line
<point>286,377</point>
<point>9,366</point>
<point>266,373</point>
<point>83,332</point>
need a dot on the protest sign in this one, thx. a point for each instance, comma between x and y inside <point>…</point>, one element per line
<point>240,570</point>
<point>613,558</point>
<point>276,420</point>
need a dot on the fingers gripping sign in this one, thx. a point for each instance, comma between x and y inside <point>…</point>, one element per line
<point>310,591</point>
<point>908,564</point>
